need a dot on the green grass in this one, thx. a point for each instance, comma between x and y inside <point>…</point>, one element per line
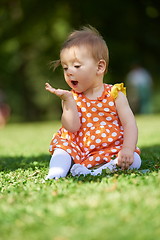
<point>124,205</point>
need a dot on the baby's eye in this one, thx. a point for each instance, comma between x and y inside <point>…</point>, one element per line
<point>65,68</point>
<point>77,66</point>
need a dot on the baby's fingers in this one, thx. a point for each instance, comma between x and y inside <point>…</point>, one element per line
<point>49,88</point>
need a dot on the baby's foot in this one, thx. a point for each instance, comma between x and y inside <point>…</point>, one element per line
<point>55,173</point>
<point>78,169</point>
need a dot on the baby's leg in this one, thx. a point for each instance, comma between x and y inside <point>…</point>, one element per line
<point>78,169</point>
<point>60,164</point>
<point>137,162</point>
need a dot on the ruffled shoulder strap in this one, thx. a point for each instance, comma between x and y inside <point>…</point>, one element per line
<point>116,88</point>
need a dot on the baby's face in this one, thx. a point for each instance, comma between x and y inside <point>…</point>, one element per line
<point>80,68</point>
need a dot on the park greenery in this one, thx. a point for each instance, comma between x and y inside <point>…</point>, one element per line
<point>121,205</point>
<point>32,32</point>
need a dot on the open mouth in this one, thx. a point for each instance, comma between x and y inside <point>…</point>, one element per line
<point>75,83</point>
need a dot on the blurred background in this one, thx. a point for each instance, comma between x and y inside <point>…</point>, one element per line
<point>31,34</point>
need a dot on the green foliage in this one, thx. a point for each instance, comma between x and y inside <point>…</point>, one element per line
<point>31,34</point>
<point>121,205</point>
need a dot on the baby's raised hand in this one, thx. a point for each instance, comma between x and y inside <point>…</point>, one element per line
<point>63,94</point>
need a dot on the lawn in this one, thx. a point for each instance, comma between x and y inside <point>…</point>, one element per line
<point>123,205</point>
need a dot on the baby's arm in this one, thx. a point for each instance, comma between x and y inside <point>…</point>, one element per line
<point>70,118</point>
<point>125,156</point>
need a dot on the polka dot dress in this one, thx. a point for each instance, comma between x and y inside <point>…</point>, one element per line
<point>101,134</point>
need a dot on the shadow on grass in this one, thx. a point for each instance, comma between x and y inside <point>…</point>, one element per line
<point>9,163</point>
<point>150,160</point>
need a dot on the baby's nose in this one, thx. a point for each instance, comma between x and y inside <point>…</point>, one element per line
<point>69,72</point>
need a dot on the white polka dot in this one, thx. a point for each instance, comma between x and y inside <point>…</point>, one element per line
<point>111,103</point>
<point>89,165</point>
<point>110,139</point>
<point>93,137</point>
<point>114,134</point>
<point>99,104</point>
<point>89,124</point>
<point>92,128</point>
<point>113,150</point>
<point>83,109</point>
<point>101,152</point>
<point>88,114</point>
<point>65,143</point>
<point>55,141</point>
<point>98,140</point>
<point>80,134</point>
<point>69,150</point>
<point>90,158</point>
<point>106,159</point>
<point>83,120</point>
<point>84,139</point>
<point>113,113</point>
<point>115,122</point>
<point>95,119</point>
<point>118,147</point>
<point>94,109</point>
<point>117,143</point>
<point>75,97</point>
<point>104,100</point>
<point>84,100</point>
<point>104,144</point>
<point>88,133</point>
<point>79,114</point>
<point>103,135</point>
<point>88,104</point>
<point>108,118</point>
<point>97,159</point>
<point>106,109</point>
<point>101,114</point>
<point>103,123</point>
<point>78,158</point>
<point>92,146</point>
<point>98,131</point>
<point>79,103</point>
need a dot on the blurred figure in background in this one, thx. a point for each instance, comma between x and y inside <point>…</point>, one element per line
<point>4,109</point>
<point>139,85</point>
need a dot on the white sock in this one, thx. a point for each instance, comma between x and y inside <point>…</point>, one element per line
<point>78,169</point>
<point>137,162</point>
<point>60,164</point>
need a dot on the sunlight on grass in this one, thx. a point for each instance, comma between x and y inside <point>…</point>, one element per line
<point>149,130</point>
<point>121,205</point>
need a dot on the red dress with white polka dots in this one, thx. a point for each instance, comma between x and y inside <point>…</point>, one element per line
<point>100,136</point>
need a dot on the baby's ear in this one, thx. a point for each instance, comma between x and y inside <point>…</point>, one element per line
<point>101,66</point>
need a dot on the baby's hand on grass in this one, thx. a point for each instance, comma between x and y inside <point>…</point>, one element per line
<point>125,158</point>
<point>63,94</point>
